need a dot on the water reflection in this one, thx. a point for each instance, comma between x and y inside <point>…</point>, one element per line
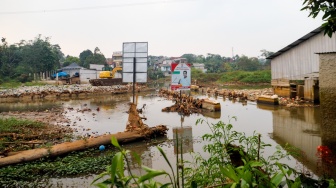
<point>39,106</point>
<point>183,140</point>
<point>301,128</point>
<point>144,152</point>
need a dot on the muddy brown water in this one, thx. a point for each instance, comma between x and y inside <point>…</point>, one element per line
<point>300,127</point>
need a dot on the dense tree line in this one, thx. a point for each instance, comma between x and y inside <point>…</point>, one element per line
<point>215,63</point>
<point>19,61</point>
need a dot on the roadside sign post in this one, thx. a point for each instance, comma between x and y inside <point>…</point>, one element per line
<point>135,57</point>
<point>180,80</point>
<point>181,76</point>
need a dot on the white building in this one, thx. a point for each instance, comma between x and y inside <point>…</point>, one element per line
<point>295,68</point>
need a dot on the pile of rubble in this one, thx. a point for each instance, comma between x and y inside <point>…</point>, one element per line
<point>253,94</point>
<point>184,104</point>
<point>33,92</point>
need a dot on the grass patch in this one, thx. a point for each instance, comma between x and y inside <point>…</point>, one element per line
<point>13,125</point>
<point>16,84</point>
<point>247,77</point>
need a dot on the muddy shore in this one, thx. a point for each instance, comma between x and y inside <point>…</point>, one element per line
<point>56,119</point>
<point>69,91</point>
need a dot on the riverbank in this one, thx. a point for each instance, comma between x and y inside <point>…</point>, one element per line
<point>60,91</point>
<point>86,90</point>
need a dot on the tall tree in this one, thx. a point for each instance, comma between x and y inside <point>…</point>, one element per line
<point>191,58</point>
<point>87,58</point>
<point>39,55</point>
<point>10,57</point>
<point>70,59</point>
<point>248,64</point>
<point>328,7</point>
<point>266,62</point>
<point>83,55</point>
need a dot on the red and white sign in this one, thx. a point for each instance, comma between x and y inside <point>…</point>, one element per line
<point>181,76</point>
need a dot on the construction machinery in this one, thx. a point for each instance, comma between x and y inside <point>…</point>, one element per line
<point>107,77</point>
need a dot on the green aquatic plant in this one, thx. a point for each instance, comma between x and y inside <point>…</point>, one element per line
<point>116,173</point>
<point>38,173</point>
<point>233,160</point>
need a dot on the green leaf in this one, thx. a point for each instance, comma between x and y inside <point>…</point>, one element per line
<point>115,143</point>
<point>256,164</point>
<point>147,169</point>
<point>165,185</point>
<point>151,175</point>
<point>99,177</point>
<point>137,157</point>
<point>166,158</point>
<point>101,185</point>
<point>117,159</point>
<point>193,184</point>
<point>229,172</point>
<point>234,185</point>
<point>277,178</point>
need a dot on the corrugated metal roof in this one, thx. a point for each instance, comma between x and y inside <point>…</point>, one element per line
<point>297,42</point>
<point>326,52</point>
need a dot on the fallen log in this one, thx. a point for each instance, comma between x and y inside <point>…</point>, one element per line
<point>66,147</point>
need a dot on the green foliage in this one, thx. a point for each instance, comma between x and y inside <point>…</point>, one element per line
<point>13,125</point>
<point>247,77</point>
<point>215,63</point>
<point>19,60</point>
<point>70,59</point>
<point>329,13</point>
<point>83,55</point>
<point>248,64</point>
<point>87,57</point>
<point>116,173</point>
<point>36,174</point>
<point>155,74</point>
<point>10,84</point>
<point>220,168</point>
<point>18,126</point>
<point>6,84</point>
<point>191,58</point>
<point>204,77</point>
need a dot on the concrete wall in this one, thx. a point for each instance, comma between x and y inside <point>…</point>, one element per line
<point>328,98</point>
<point>282,91</point>
<point>96,66</point>
<point>311,90</point>
<point>87,74</point>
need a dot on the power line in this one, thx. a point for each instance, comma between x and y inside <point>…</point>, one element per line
<point>95,7</point>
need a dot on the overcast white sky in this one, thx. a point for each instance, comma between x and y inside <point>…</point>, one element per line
<point>171,27</point>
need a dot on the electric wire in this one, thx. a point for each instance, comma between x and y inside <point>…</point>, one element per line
<point>94,7</point>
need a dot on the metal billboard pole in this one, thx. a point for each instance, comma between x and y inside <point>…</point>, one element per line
<point>135,58</point>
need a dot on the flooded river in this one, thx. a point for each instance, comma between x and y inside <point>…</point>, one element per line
<point>299,127</point>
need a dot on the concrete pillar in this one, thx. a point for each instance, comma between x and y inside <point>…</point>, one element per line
<point>327,76</point>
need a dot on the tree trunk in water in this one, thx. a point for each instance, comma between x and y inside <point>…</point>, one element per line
<point>135,130</point>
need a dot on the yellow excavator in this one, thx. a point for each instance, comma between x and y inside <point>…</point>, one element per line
<point>107,77</point>
<point>109,72</point>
